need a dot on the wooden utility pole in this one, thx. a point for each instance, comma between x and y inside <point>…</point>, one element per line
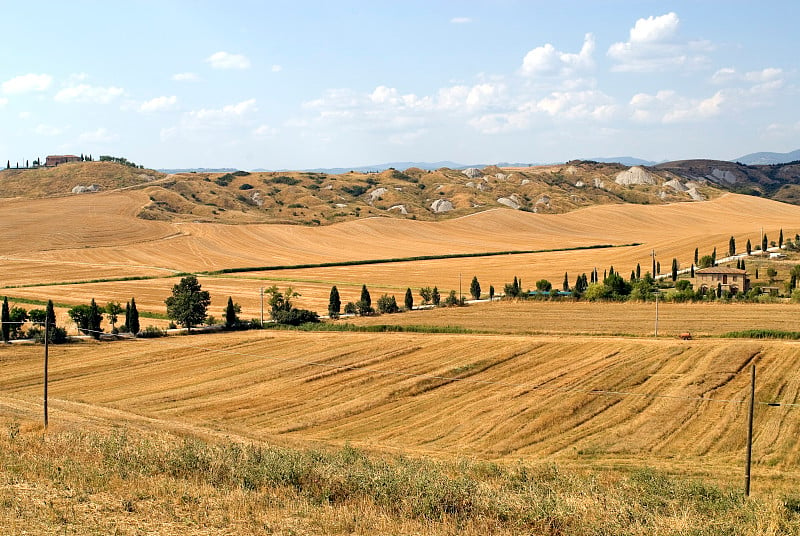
<point>46,352</point>
<point>262,307</point>
<point>750,431</point>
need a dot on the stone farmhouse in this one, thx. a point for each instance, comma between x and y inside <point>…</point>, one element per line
<point>54,160</point>
<point>731,279</point>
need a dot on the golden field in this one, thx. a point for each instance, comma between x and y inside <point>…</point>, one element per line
<point>99,237</point>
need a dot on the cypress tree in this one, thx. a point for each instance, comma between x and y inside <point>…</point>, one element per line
<point>230,314</point>
<point>565,286</point>
<point>334,303</point>
<point>133,321</point>
<point>366,299</point>
<point>743,268</point>
<point>764,243</point>
<point>674,269</point>
<point>633,276</point>
<point>638,271</point>
<point>95,318</point>
<point>435,297</point>
<point>475,288</point>
<point>696,255</point>
<point>658,267</point>
<point>731,247</point>
<point>780,238</point>
<point>749,247</point>
<point>128,316</point>
<point>409,299</point>
<point>714,257</point>
<point>692,270</point>
<point>5,319</point>
<point>491,292</point>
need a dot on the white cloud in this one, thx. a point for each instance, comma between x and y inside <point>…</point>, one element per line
<point>47,130</point>
<point>209,123</point>
<point>724,75</point>
<point>27,83</point>
<point>226,60</point>
<point>460,20</point>
<point>277,68</point>
<point>159,104</point>
<point>666,106</point>
<point>185,77</point>
<point>265,131</point>
<point>587,104</point>
<point>546,60</point>
<point>87,93</point>
<point>654,45</point>
<point>24,115</point>
<point>101,135</point>
<point>3,101</point>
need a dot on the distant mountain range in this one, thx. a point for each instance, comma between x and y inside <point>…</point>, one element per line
<point>764,159</point>
<point>753,159</point>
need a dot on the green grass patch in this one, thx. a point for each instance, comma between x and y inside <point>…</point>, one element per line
<point>762,334</point>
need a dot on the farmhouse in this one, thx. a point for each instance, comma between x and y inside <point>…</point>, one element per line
<point>54,160</point>
<point>731,279</point>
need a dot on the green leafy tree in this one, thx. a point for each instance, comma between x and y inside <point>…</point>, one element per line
<point>37,316</point>
<point>350,308</point>
<point>113,309</point>
<point>426,293</point>
<point>188,304</point>
<point>283,312</point>
<point>452,300</point>
<point>706,261</point>
<point>133,319</point>
<point>232,311</point>
<point>387,305</point>
<point>435,297</point>
<point>5,318</point>
<point>475,288</point>
<point>543,285</point>
<point>409,300</point>
<point>334,303</point>
<point>17,317</point>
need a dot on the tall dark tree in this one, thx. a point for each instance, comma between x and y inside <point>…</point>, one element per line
<point>780,238</point>
<point>128,316</point>
<point>133,320</point>
<point>692,270</point>
<point>475,288</point>
<point>436,298</point>
<point>658,267</point>
<point>714,257</point>
<point>334,303</point>
<point>731,247</point>
<point>366,299</point>
<point>565,284</point>
<point>232,314</point>
<point>95,319</point>
<point>674,269</point>
<point>5,318</point>
<point>491,292</point>
<point>749,247</point>
<point>638,271</point>
<point>764,243</point>
<point>696,255</point>
<point>743,266</point>
<point>633,276</point>
<point>188,304</point>
<point>409,300</point>
<point>51,314</point>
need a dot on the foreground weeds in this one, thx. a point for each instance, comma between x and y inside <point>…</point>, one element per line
<point>128,483</point>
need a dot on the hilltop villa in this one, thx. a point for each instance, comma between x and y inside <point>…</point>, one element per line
<point>732,279</point>
<point>54,160</point>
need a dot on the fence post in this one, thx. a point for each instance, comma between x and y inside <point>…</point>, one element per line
<point>750,431</point>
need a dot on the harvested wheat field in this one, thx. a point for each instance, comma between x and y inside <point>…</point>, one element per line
<point>99,237</point>
<point>676,405</point>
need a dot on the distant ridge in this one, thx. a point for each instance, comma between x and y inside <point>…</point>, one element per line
<point>624,160</point>
<point>765,158</point>
<point>197,170</point>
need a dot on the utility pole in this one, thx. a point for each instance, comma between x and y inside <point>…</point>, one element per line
<point>750,431</point>
<point>46,352</point>
<point>262,307</point>
<point>460,294</point>
<point>653,254</point>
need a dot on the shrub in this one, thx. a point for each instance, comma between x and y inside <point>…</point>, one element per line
<point>283,179</point>
<point>152,332</point>
<point>388,304</point>
<point>246,186</point>
<point>295,317</point>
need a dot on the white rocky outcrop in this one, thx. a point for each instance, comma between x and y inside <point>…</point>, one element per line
<point>634,175</point>
<point>694,194</point>
<point>544,200</point>
<point>399,208</point>
<point>256,198</point>
<point>441,205</point>
<point>720,175</point>
<point>676,185</point>
<point>511,201</point>
<point>580,184</point>
<point>500,176</point>
<point>376,194</point>
<point>80,189</point>
<point>473,173</point>
<point>598,183</point>
<point>524,182</point>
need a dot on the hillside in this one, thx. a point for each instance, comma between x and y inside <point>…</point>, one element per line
<point>767,158</point>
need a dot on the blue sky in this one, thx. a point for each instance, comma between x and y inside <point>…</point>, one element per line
<point>327,84</point>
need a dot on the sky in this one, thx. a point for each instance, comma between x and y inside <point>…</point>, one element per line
<point>306,84</point>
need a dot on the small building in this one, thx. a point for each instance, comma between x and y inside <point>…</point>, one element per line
<point>54,160</point>
<point>731,279</point>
